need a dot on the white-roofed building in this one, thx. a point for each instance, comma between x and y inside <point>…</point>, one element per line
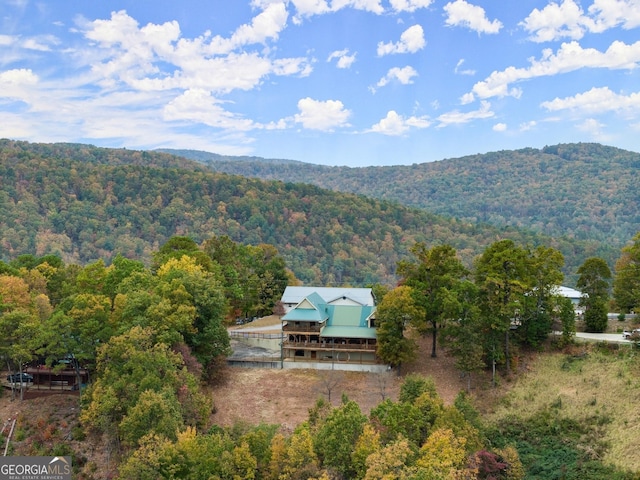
<point>292,296</point>
<point>573,295</point>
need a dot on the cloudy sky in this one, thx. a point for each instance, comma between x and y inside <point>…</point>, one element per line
<point>339,82</point>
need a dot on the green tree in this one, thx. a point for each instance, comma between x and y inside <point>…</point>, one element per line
<point>155,412</point>
<point>120,269</point>
<point>61,336</point>
<point>410,419</point>
<point>626,284</point>
<point>18,329</point>
<point>91,325</point>
<point>129,366</point>
<point>394,314</point>
<point>390,462</point>
<point>414,386</point>
<point>19,325</point>
<point>190,457</point>
<point>301,461</point>
<point>91,279</point>
<point>567,316</point>
<point>367,444</point>
<point>254,276</point>
<point>594,285</point>
<point>538,305</point>
<point>434,276</point>
<point>206,334</point>
<point>463,336</point>
<point>271,277</point>
<point>502,276</point>
<point>337,435</point>
<point>443,455</point>
<point>259,438</point>
<point>178,246</point>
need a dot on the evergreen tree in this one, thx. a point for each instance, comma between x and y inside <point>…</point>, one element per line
<point>626,285</point>
<point>594,285</point>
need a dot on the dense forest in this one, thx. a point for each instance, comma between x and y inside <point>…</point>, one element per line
<point>154,341</point>
<point>85,203</point>
<point>132,266</point>
<point>584,191</point>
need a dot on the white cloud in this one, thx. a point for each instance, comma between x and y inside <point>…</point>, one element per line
<point>42,43</point>
<point>155,57</point>
<point>556,21</point>
<point>596,100</point>
<point>461,13</point>
<point>461,71</point>
<point>267,25</point>
<point>568,20</point>
<point>6,40</point>
<point>200,107</point>
<point>319,115</point>
<point>138,83</point>
<point>500,127</point>
<point>594,129</point>
<point>526,126</point>
<point>344,59</point>
<point>395,125</point>
<point>611,13</point>
<point>411,40</point>
<point>570,57</point>
<point>409,5</point>
<point>20,76</point>
<point>373,6</point>
<point>403,75</point>
<point>308,8</point>
<point>16,84</point>
<point>456,117</point>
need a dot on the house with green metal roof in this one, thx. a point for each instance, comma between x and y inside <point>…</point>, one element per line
<point>317,331</point>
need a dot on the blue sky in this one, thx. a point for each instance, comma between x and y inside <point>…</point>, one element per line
<point>336,82</point>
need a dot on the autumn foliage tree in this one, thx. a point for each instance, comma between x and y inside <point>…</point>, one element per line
<point>434,276</point>
<point>394,314</point>
<point>594,285</point>
<point>626,284</point>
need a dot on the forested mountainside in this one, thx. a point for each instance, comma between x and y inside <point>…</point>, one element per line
<point>86,203</point>
<point>586,191</point>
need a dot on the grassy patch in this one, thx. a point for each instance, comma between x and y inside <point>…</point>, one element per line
<point>574,416</point>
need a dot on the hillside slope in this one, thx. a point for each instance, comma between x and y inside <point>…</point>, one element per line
<point>86,203</point>
<point>584,191</point>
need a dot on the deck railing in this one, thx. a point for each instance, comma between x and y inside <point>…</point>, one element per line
<point>329,346</point>
<point>289,328</point>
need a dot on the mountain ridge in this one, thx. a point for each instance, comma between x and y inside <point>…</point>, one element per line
<point>87,203</point>
<point>585,190</point>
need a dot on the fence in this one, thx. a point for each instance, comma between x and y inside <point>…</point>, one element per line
<point>241,334</point>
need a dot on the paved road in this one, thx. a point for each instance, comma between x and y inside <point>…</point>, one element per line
<point>602,337</point>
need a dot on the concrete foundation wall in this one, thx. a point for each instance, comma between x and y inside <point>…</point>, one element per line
<point>347,367</point>
<point>267,343</point>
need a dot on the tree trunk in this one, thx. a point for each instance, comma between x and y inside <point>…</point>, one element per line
<point>433,343</point>
<point>506,351</point>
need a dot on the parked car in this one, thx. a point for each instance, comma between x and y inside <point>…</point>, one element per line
<point>19,378</point>
<point>628,334</point>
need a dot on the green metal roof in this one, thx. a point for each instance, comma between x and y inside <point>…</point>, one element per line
<point>305,315</point>
<point>349,315</point>
<point>311,309</point>
<point>348,332</point>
